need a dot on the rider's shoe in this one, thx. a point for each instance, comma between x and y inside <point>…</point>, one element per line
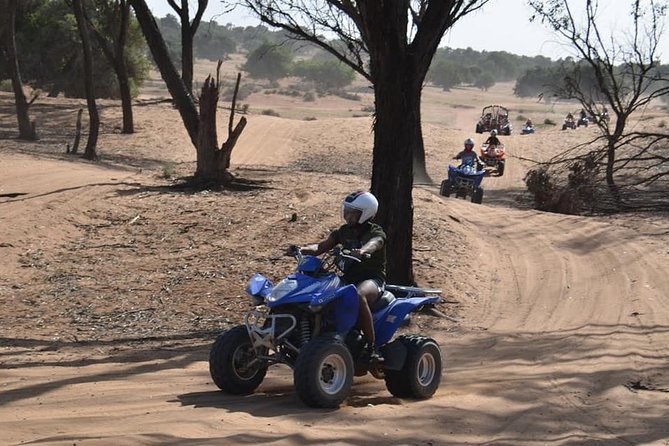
<point>372,355</point>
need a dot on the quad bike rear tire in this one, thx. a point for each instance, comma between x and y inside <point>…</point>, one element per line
<point>323,373</point>
<point>500,167</point>
<point>420,376</point>
<point>477,196</point>
<point>233,364</point>
<point>446,188</point>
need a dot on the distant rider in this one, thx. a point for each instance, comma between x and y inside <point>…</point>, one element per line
<point>528,123</point>
<point>493,140</point>
<point>367,242</point>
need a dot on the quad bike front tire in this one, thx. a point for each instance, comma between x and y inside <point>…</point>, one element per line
<point>323,373</point>
<point>477,196</point>
<point>233,364</point>
<point>420,376</point>
<point>446,188</point>
<point>500,168</point>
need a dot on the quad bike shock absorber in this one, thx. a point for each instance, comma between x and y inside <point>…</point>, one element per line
<point>305,330</point>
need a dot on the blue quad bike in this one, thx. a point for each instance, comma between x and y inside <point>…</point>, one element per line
<point>464,180</point>
<point>527,130</point>
<point>308,322</point>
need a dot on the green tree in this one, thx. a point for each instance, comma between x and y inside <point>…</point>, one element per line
<point>327,75</point>
<point>269,61</point>
<point>213,42</point>
<point>60,69</point>
<point>446,75</point>
<point>8,30</point>
<point>484,81</point>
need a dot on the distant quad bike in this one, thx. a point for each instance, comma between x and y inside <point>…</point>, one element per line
<point>493,156</point>
<point>308,322</point>
<point>582,121</point>
<point>569,123</point>
<point>463,180</point>
<point>494,117</point>
<point>527,130</point>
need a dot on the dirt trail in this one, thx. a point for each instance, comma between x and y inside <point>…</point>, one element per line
<point>566,342</point>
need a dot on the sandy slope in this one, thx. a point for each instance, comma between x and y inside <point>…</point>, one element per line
<point>560,315</point>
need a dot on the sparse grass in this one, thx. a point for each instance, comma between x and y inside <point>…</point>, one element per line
<point>270,112</point>
<point>349,96</point>
<point>369,108</point>
<point>521,118</point>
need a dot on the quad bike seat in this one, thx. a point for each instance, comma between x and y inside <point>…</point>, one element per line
<point>382,302</point>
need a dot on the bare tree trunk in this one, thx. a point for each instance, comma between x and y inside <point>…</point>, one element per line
<point>94,117</point>
<point>233,133</point>
<point>186,48</point>
<point>396,135</point>
<point>122,69</point>
<point>26,128</point>
<point>207,141</point>
<point>212,162</point>
<point>77,133</point>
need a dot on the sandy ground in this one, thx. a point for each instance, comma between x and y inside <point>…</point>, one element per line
<point>113,285</point>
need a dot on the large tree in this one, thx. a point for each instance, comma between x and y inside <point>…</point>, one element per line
<point>620,73</point>
<point>7,27</point>
<point>110,29</point>
<point>391,43</point>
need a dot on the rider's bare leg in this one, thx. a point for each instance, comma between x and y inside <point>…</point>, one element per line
<point>368,293</point>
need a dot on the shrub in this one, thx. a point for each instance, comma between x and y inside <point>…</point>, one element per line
<point>549,122</point>
<point>521,118</point>
<point>168,170</point>
<point>577,194</point>
<point>309,96</point>
<point>310,118</point>
<point>269,112</point>
<point>6,85</point>
<point>662,124</point>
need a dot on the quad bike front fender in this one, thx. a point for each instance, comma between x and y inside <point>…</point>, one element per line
<point>345,306</point>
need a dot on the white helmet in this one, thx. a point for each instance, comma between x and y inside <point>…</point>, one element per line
<point>362,201</point>
<point>469,142</point>
<point>493,132</point>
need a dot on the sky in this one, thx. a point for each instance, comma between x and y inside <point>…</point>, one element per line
<point>501,25</point>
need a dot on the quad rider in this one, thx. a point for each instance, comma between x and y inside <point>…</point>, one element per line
<point>493,140</point>
<point>468,156</point>
<point>367,242</point>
